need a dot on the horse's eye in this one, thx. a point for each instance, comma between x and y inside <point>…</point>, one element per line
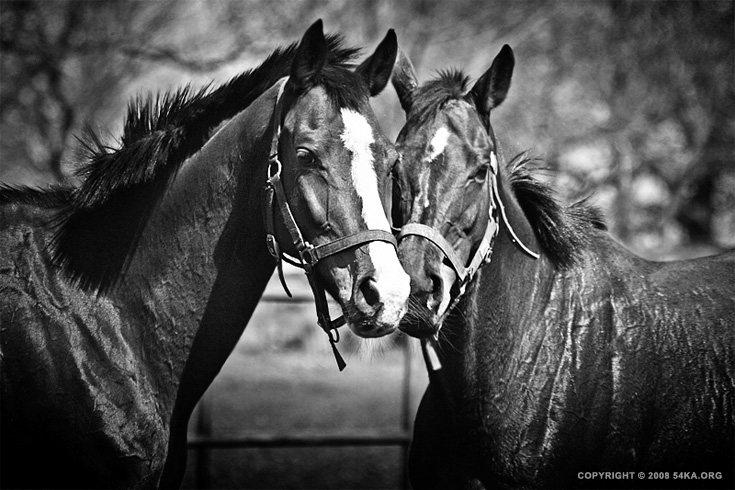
<point>306,157</point>
<point>481,174</point>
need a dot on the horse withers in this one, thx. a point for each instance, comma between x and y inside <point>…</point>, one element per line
<point>121,299</point>
<point>557,358</point>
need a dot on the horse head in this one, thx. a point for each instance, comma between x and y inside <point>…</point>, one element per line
<point>446,185</point>
<point>334,163</point>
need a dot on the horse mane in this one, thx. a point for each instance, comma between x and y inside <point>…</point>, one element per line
<point>98,233</point>
<point>563,232</point>
<point>52,198</point>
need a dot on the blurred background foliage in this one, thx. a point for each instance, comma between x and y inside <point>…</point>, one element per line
<point>629,102</point>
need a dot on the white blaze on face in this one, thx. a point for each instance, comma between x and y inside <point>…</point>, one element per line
<point>438,143</point>
<point>357,138</point>
<point>436,147</point>
<point>392,282</point>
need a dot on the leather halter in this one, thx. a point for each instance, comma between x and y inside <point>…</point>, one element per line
<point>308,255</point>
<point>483,254</point>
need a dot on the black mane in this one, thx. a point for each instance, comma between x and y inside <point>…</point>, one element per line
<point>162,131</point>
<point>563,232</point>
<point>100,229</point>
<point>53,198</point>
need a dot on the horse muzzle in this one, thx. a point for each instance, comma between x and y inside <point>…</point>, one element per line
<point>380,296</point>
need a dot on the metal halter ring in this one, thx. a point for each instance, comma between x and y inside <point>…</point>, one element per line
<point>274,161</point>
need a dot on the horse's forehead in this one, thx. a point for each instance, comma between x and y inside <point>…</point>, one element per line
<point>454,134</point>
<point>315,112</point>
<point>318,115</point>
<point>357,133</point>
<point>462,120</point>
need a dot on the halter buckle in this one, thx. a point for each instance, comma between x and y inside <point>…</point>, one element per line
<point>272,244</point>
<point>308,255</point>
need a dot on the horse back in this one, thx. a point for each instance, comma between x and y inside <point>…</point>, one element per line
<point>673,362</point>
<point>704,285</point>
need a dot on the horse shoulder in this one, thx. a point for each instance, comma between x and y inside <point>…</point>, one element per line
<point>68,368</point>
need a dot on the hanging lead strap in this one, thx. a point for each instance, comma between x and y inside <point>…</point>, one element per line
<point>431,357</point>
<point>323,318</point>
<point>270,236</point>
<point>333,339</point>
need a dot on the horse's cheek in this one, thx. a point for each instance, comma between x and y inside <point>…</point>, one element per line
<point>313,201</point>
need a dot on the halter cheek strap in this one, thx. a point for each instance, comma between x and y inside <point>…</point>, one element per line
<point>308,255</point>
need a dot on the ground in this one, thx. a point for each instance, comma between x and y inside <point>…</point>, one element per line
<point>282,379</point>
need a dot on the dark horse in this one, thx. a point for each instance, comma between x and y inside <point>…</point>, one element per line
<point>560,353</point>
<point>121,299</point>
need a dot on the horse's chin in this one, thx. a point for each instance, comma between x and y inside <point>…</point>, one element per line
<point>368,326</point>
<point>419,332</point>
<point>370,329</point>
<point>420,322</point>
<point>419,328</point>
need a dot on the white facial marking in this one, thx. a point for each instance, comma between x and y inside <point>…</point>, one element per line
<point>438,143</point>
<point>357,137</point>
<point>392,283</point>
<point>424,186</point>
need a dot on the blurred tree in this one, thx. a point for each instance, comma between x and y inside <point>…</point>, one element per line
<point>664,71</point>
<point>60,62</point>
<point>68,62</point>
<point>635,100</point>
<point>631,101</point>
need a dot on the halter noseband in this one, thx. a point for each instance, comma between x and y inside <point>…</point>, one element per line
<point>309,255</point>
<point>484,250</point>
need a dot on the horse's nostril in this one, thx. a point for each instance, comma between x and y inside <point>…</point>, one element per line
<point>369,291</point>
<point>437,291</point>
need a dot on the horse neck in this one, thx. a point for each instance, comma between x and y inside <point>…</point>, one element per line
<point>514,328</point>
<point>498,302</point>
<point>201,263</point>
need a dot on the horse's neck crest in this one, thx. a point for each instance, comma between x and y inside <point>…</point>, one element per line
<point>501,208</point>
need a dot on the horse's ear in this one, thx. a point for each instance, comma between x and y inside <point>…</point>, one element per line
<point>310,56</point>
<point>404,80</point>
<point>492,87</point>
<point>377,68</point>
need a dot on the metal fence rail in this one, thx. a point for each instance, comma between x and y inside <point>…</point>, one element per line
<point>201,441</point>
